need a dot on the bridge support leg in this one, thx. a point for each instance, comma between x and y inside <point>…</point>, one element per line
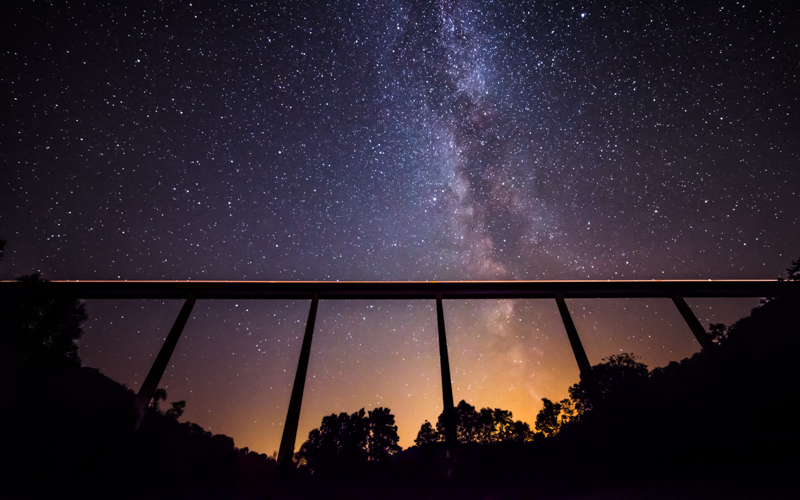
<point>572,333</point>
<point>451,435</point>
<point>286,452</point>
<point>691,320</point>
<point>153,378</point>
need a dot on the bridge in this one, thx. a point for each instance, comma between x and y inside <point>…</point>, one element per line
<point>191,291</point>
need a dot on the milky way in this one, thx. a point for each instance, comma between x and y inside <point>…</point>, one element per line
<point>394,141</point>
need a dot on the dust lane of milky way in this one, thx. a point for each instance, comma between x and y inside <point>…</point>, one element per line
<point>394,141</point>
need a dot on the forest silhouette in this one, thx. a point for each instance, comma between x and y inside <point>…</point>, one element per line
<point>718,424</point>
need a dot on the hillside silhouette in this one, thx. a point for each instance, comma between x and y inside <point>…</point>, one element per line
<point>718,424</point>
<point>68,431</point>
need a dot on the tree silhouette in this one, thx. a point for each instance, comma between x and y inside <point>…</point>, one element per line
<point>792,272</point>
<point>177,409</point>
<point>617,375</point>
<point>45,328</point>
<point>717,332</point>
<point>547,419</point>
<point>518,432</point>
<point>383,436</point>
<point>159,395</point>
<point>344,440</point>
<point>427,435</point>
<point>553,416</point>
<point>502,425</point>
<point>485,426</point>
<point>466,421</point>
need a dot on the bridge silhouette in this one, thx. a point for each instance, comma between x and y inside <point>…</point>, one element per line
<point>191,291</point>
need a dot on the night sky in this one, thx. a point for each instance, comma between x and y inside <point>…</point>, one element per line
<point>381,140</point>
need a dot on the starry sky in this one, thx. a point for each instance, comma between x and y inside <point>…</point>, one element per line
<point>378,140</point>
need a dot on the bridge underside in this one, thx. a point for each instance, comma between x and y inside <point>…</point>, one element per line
<point>314,291</point>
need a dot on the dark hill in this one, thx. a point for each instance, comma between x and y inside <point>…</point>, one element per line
<point>720,424</point>
<point>67,431</point>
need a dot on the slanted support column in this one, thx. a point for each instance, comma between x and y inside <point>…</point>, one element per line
<point>691,320</point>
<point>572,333</point>
<point>451,435</point>
<point>286,451</point>
<point>162,360</point>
